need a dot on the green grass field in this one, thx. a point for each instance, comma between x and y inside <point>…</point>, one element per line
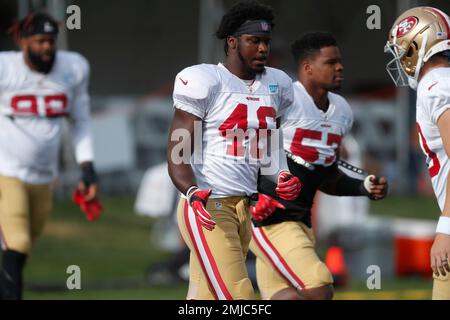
<point>114,252</point>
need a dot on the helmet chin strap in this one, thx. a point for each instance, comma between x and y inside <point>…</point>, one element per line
<point>413,81</point>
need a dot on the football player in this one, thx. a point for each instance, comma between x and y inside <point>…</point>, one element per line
<point>287,265</point>
<point>420,43</point>
<point>230,102</point>
<point>39,88</point>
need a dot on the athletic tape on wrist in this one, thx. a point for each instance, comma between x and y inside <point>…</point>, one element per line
<point>367,183</point>
<point>188,192</point>
<point>443,225</point>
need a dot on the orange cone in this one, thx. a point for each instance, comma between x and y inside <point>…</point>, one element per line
<point>336,264</point>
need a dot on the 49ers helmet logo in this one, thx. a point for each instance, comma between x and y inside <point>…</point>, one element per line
<point>406,25</point>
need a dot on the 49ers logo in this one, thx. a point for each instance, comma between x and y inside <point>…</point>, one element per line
<point>406,25</point>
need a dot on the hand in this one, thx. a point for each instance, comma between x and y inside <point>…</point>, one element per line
<point>440,254</point>
<point>89,193</point>
<point>376,187</point>
<point>264,207</point>
<point>197,200</point>
<point>288,186</point>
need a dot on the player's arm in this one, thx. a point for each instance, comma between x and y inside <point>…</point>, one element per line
<point>194,92</point>
<point>440,251</point>
<point>81,134</point>
<point>180,169</point>
<point>182,141</point>
<point>340,184</point>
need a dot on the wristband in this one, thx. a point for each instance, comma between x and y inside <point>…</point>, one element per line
<point>88,175</point>
<point>443,225</point>
<point>189,191</point>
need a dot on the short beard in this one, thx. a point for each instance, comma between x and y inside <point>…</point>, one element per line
<point>39,64</point>
<point>334,87</point>
<point>248,69</point>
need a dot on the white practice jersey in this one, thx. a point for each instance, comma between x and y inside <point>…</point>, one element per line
<point>32,110</point>
<point>312,134</point>
<point>433,98</point>
<point>228,162</point>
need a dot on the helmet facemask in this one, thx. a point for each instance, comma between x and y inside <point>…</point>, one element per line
<point>394,67</point>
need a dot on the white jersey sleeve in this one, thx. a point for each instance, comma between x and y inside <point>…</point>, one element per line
<point>347,117</point>
<point>286,93</point>
<point>80,111</point>
<point>438,100</point>
<point>195,89</point>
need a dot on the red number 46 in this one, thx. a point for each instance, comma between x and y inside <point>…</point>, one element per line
<point>239,120</point>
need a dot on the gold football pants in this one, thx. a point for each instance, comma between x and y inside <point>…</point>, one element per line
<point>217,261</point>
<point>441,287</point>
<point>24,208</point>
<point>285,257</point>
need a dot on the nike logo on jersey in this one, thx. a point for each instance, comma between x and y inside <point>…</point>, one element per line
<point>184,82</point>
<point>429,88</point>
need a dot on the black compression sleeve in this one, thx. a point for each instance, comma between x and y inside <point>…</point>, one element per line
<point>341,184</point>
<point>88,174</point>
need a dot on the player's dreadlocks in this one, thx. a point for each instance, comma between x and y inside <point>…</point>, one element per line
<point>310,44</point>
<point>34,23</point>
<point>241,12</point>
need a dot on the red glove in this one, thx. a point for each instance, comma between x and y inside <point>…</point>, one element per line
<point>288,187</point>
<point>197,200</point>
<point>264,207</point>
<point>92,209</point>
